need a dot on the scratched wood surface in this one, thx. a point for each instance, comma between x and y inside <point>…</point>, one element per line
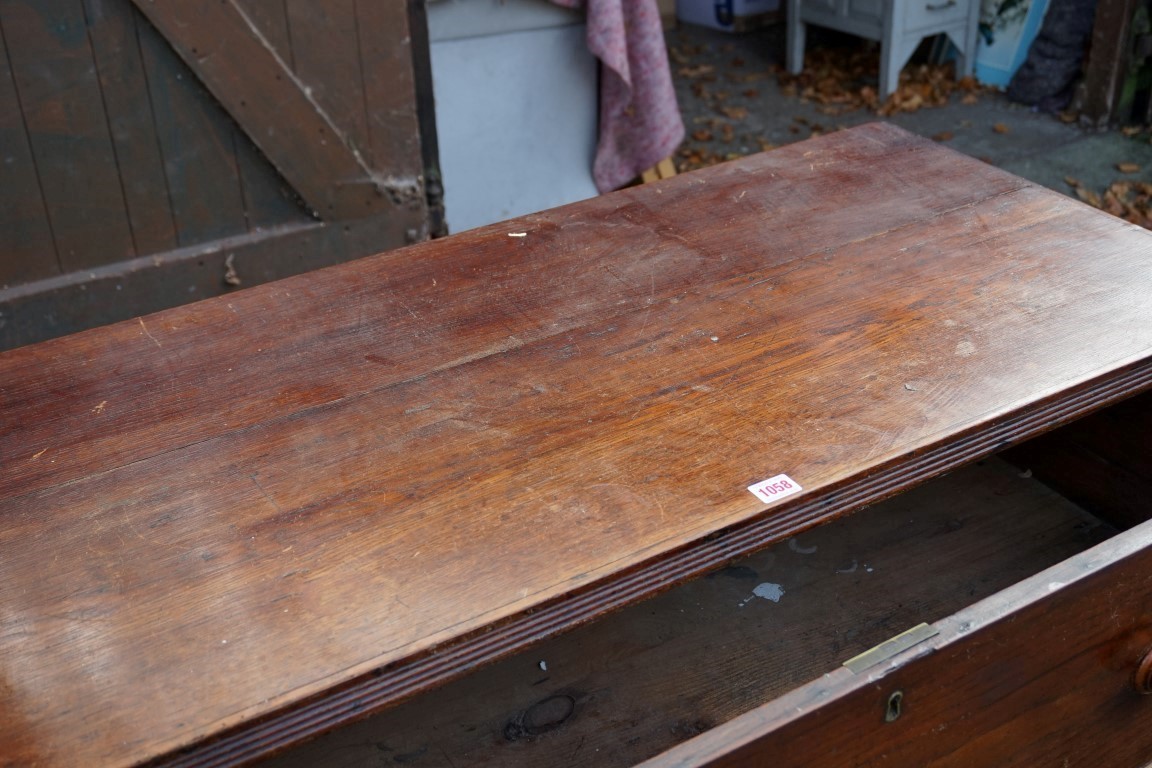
<point>298,503</point>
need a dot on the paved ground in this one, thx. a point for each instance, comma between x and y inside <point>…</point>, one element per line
<point>724,79</point>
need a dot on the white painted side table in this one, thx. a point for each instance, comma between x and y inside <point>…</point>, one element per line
<point>899,25</point>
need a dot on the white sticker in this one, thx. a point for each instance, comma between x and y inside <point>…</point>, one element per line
<point>775,488</point>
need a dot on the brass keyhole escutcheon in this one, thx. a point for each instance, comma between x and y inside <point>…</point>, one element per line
<point>895,704</point>
<point>1143,679</point>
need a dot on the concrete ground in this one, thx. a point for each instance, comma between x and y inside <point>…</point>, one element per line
<point>742,69</point>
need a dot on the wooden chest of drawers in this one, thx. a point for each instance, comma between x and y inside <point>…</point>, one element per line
<point>485,501</point>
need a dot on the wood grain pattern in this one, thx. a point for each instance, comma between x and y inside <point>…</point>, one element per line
<point>75,302</point>
<point>333,72</point>
<point>114,152</point>
<point>60,96</point>
<point>1040,674</point>
<point>390,93</point>
<point>120,66</point>
<point>388,307</point>
<point>29,250</point>
<point>203,179</point>
<point>442,454</point>
<point>230,56</point>
<point>271,20</point>
<point>269,200</point>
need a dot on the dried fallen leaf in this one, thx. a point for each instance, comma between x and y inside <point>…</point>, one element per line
<point>969,99</point>
<point>1112,204</point>
<point>1001,128</point>
<point>1071,181</point>
<point>1128,167</point>
<point>1128,199</point>
<point>943,136</point>
<point>912,103</point>
<point>1131,130</point>
<point>844,78</point>
<point>748,77</point>
<point>1088,196</point>
<point>702,69</point>
<point>702,135</point>
<point>736,113</point>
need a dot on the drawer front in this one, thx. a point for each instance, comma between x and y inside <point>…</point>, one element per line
<point>935,14</point>
<point>867,10</point>
<point>1044,673</point>
<point>825,6</point>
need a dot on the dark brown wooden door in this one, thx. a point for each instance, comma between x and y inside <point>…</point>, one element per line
<point>156,153</point>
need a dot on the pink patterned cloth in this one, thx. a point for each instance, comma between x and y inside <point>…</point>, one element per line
<point>640,122</point>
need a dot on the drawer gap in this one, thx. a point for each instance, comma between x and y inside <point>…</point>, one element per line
<point>639,681</point>
<point>1102,462</point>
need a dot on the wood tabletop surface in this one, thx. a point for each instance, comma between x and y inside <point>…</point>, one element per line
<point>230,525</point>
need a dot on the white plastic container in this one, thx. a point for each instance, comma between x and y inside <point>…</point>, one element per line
<point>516,107</point>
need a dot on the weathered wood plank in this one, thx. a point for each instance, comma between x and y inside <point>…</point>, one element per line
<point>389,87</point>
<point>29,252</point>
<point>225,51</point>
<point>112,30</point>
<point>60,96</point>
<point>203,179</point>
<point>393,110</point>
<point>269,201</point>
<point>326,58</point>
<point>70,303</point>
<point>271,20</point>
<point>442,454</point>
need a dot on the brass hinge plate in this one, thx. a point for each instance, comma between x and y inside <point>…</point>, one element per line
<point>891,647</point>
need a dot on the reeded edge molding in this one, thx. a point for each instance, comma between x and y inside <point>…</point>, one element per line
<point>376,690</point>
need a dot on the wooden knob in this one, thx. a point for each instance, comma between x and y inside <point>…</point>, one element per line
<point>1144,674</point>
